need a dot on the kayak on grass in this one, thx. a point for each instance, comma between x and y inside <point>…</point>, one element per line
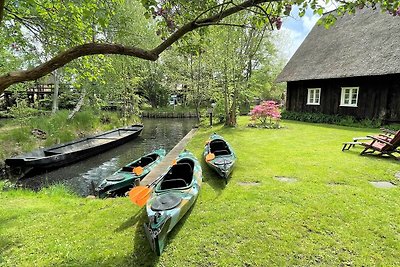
<point>172,197</point>
<point>219,156</point>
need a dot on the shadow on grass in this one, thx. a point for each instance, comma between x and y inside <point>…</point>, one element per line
<point>142,254</point>
<point>5,243</point>
<point>171,236</point>
<point>130,222</point>
<point>212,179</point>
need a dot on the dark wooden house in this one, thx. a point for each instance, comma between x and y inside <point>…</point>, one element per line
<point>352,68</point>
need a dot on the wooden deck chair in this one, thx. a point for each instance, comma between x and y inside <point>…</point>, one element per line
<point>382,146</point>
<point>386,135</point>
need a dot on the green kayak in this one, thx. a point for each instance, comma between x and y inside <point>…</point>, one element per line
<point>126,177</point>
<point>172,197</point>
<point>219,156</point>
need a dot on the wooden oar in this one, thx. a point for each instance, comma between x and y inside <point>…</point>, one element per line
<point>140,194</point>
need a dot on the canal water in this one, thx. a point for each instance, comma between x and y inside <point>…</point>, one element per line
<point>81,176</point>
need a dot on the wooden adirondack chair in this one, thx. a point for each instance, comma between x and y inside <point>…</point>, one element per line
<point>386,135</point>
<point>383,146</point>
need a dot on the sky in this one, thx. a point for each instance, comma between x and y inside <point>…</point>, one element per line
<point>295,29</point>
<point>293,32</point>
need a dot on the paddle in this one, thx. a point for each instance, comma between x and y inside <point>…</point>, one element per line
<point>140,194</point>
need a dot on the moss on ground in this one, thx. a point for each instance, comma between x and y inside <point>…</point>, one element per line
<point>331,216</point>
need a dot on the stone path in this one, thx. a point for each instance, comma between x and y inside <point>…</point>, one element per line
<point>382,184</point>
<point>249,183</point>
<point>285,179</point>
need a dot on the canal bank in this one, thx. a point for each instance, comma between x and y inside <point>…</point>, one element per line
<point>169,114</point>
<point>82,176</point>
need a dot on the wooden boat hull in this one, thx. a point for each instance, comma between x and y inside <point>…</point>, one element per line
<point>63,154</point>
<point>168,205</point>
<point>222,161</point>
<point>125,178</point>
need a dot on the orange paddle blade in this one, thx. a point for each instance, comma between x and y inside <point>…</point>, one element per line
<point>138,170</point>
<point>138,194</point>
<point>210,156</point>
<point>143,200</point>
<point>174,162</point>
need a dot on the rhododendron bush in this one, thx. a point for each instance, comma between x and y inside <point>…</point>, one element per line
<point>268,113</point>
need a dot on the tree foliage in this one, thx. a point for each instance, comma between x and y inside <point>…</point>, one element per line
<point>67,30</point>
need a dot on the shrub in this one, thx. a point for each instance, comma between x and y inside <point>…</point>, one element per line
<point>331,119</point>
<point>22,112</point>
<point>267,113</point>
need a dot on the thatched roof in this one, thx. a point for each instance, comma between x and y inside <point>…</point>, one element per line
<point>364,44</point>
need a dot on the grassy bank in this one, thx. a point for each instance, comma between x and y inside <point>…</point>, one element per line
<point>331,216</point>
<point>16,134</point>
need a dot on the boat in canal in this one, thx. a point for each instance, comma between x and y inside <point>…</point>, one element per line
<point>219,156</point>
<point>173,195</point>
<point>129,175</point>
<point>63,154</point>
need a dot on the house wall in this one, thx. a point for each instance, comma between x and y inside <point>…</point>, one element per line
<point>378,97</point>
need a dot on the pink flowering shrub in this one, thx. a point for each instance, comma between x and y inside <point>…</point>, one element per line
<point>267,113</point>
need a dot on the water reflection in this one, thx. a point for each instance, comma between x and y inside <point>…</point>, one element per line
<point>83,175</point>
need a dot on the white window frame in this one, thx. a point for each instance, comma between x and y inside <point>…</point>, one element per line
<point>313,92</point>
<point>350,99</point>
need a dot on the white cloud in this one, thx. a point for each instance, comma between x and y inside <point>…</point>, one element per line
<point>287,41</point>
<point>309,22</point>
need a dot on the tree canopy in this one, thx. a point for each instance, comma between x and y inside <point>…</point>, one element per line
<point>62,31</point>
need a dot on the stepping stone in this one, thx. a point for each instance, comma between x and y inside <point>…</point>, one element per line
<point>397,175</point>
<point>249,183</point>
<point>285,179</point>
<point>382,184</point>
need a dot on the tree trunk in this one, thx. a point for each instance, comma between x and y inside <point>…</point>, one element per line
<point>55,92</point>
<point>78,105</point>
<point>232,113</point>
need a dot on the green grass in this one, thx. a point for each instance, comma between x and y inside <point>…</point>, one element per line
<point>331,216</point>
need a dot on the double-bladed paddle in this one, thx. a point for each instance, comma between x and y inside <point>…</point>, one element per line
<point>140,194</point>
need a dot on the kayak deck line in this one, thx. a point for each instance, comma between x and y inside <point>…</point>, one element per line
<point>168,159</point>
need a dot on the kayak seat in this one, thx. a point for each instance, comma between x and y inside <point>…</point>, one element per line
<point>127,169</point>
<point>173,183</point>
<point>146,161</point>
<point>221,152</point>
<point>179,176</point>
<point>187,161</point>
<point>218,145</point>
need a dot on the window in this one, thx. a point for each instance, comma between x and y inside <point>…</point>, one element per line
<point>313,96</point>
<point>349,97</point>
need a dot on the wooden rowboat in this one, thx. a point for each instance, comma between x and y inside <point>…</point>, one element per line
<point>67,153</point>
<point>219,156</point>
<point>129,175</point>
<point>172,197</point>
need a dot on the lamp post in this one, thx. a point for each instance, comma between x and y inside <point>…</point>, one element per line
<point>210,111</point>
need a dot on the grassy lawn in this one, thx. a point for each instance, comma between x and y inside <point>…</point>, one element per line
<point>331,216</point>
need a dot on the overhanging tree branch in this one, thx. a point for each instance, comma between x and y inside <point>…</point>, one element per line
<point>96,49</point>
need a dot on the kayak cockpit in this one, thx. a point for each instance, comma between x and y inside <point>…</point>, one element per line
<point>142,162</point>
<point>179,176</point>
<point>219,147</point>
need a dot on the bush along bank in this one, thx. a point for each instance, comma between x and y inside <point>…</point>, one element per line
<point>331,119</point>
